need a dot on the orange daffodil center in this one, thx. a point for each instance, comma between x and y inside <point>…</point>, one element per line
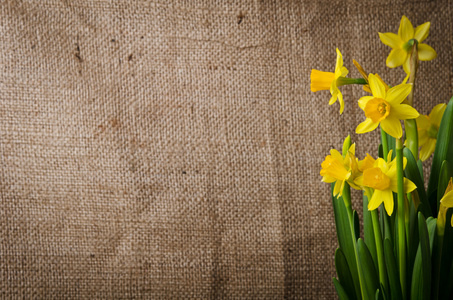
<point>377,109</point>
<point>385,108</point>
<point>400,54</point>
<point>330,81</point>
<point>376,179</point>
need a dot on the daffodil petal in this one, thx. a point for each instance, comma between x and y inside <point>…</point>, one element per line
<point>398,93</point>
<point>337,188</point>
<point>427,149</point>
<point>390,39</point>
<point>336,155</point>
<point>406,30</point>
<point>422,136</point>
<point>334,97</point>
<point>447,200</point>
<point>437,112</point>
<point>340,99</point>
<point>421,32</point>
<point>366,126</point>
<point>392,126</point>
<point>387,198</point>
<point>359,181</point>
<point>364,100</point>
<point>407,67</point>
<point>423,122</point>
<point>376,86</point>
<point>426,52</point>
<point>409,186</point>
<point>396,58</point>
<point>339,63</point>
<point>404,111</point>
<point>375,200</point>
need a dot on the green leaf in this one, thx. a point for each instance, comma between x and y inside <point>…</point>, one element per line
<point>421,276</point>
<point>413,238</point>
<point>392,271</point>
<point>356,225</point>
<point>368,232</point>
<point>446,172</point>
<point>391,144</point>
<point>345,240</point>
<point>383,293</point>
<point>369,271</point>
<point>443,151</point>
<point>344,275</point>
<point>340,290</point>
<point>446,269</point>
<point>413,174</point>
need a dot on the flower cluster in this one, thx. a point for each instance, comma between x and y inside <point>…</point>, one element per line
<point>393,182</point>
<point>377,177</point>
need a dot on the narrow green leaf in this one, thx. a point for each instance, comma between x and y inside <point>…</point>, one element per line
<point>446,172</point>
<point>369,271</point>
<point>391,144</point>
<point>421,276</point>
<point>446,269</point>
<point>413,238</point>
<point>340,290</point>
<point>392,271</point>
<point>368,232</point>
<point>420,168</point>
<point>345,240</point>
<point>344,275</point>
<point>443,151</point>
<point>413,174</point>
<point>383,294</point>
<point>356,225</point>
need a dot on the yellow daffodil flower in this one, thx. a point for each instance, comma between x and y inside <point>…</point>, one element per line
<point>401,46</point>
<point>428,126</point>
<point>385,108</point>
<point>339,169</point>
<point>445,203</point>
<point>381,178</point>
<point>330,81</point>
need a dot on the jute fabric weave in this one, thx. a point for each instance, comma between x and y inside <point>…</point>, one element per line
<point>171,149</point>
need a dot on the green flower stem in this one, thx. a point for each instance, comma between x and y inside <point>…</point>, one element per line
<point>345,81</point>
<point>438,244</point>
<point>401,217</point>
<point>407,222</point>
<point>412,136</point>
<point>379,249</point>
<point>346,195</point>
<point>384,141</point>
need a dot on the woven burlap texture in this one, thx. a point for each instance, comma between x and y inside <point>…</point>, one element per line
<point>171,149</point>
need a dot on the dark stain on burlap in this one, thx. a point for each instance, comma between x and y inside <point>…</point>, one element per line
<point>171,149</point>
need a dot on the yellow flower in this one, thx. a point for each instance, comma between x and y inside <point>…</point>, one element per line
<point>385,108</point>
<point>446,202</point>
<point>330,81</point>
<point>339,169</point>
<point>428,126</point>
<point>382,179</point>
<point>400,53</point>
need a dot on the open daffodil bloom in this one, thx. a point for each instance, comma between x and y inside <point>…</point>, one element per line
<point>381,177</point>
<point>428,126</point>
<point>385,108</point>
<point>339,169</point>
<point>331,81</point>
<point>401,46</point>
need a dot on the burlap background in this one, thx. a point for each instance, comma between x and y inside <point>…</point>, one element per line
<point>171,149</point>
